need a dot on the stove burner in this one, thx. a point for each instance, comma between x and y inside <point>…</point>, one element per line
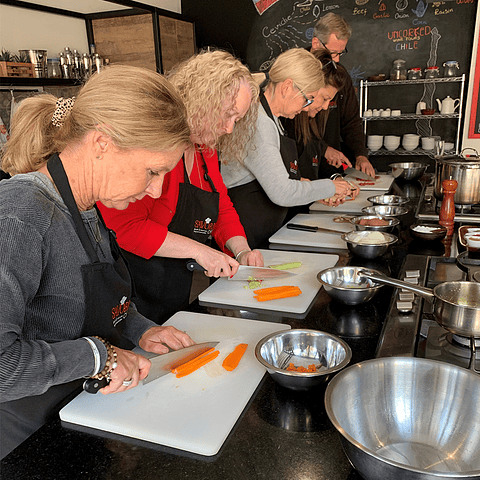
<point>463,341</point>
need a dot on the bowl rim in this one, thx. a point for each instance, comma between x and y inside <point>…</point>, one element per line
<point>402,210</point>
<point>437,226</point>
<point>394,221</point>
<point>407,360</point>
<point>268,366</point>
<point>390,239</point>
<point>402,200</point>
<point>376,286</point>
<point>412,165</point>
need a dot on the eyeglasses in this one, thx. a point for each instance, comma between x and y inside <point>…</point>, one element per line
<point>308,101</point>
<point>334,54</point>
<point>332,62</point>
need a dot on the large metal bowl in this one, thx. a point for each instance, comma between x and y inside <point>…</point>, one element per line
<point>347,286</point>
<point>387,200</point>
<point>385,210</point>
<point>408,418</point>
<point>302,347</point>
<point>356,222</point>
<point>355,243</point>
<point>408,170</point>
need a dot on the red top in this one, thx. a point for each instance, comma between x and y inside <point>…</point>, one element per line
<point>142,227</point>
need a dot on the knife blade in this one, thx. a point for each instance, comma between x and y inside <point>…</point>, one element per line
<point>312,228</point>
<point>245,272</point>
<point>161,365</point>
<point>356,173</point>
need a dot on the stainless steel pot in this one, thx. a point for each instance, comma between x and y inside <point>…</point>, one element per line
<point>456,304</point>
<point>466,171</point>
<point>39,60</point>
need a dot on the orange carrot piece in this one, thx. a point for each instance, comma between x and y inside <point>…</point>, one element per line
<point>232,360</point>
<point>291,292</point>
<point>205,359</point>
<point>268,291</point>
<point>190,363</point>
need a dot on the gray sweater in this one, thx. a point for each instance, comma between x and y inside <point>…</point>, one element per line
<point>42,300</point>
<point>264,163</point>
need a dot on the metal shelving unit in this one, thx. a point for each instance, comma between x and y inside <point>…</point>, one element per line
<point>364,90</point>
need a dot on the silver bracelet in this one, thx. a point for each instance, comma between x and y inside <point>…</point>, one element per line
<point>96,355</point>
<point>240,252</point>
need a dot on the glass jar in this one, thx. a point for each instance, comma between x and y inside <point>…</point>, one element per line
<point>53,68</point>
<point>398,71</point>
<point>415,73</point>
<point>432,72</point>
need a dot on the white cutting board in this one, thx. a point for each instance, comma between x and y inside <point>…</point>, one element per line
<point>350,206</point>
<point>194,413</point>
<point>382,184</point>
<point>234,293</point>
<point>286,236</point>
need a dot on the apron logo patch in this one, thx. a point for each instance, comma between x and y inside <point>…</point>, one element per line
<point>314,161</point>
<point>204,227</point>
<point>294,167</point>
<point>119,312</point>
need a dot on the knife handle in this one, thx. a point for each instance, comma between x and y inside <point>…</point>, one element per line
<point>306,228</point>
<point>93,385</point>
<point>193,265</point>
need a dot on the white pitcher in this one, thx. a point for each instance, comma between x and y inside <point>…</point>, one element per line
<point>448,105</point>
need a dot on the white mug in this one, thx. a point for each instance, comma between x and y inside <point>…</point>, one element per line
<point>428,143</point>
<point>421,106</point>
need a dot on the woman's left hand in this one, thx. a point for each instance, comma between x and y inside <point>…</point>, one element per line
<point>363,164</point>
<point>253,258</point>
<point>159,339</point>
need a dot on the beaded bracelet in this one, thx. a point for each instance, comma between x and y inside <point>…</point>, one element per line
<point>110,364</point>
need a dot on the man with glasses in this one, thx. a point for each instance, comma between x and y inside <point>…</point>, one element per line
<point>344,136</point>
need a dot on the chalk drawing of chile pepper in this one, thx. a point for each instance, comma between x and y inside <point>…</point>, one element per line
<point>421,9</point>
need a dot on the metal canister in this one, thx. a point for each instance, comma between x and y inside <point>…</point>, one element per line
<point>415,73</point>
<point>39,60</point>
<point>432,72</point>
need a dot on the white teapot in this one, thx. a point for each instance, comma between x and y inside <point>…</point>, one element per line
<point>448,105</point>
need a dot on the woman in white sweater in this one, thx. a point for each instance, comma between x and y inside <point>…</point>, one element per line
<point>266,183</point>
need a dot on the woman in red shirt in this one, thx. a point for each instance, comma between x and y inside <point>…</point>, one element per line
<point>157,235</point>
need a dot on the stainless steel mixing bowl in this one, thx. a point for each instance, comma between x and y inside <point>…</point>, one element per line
<point>408,418</point>
<point>385,210</point>
<point>388,200</point>
<point>356,222</point>
<point>345,285</point>
<point>302,347</point>
<point>368,250</point>
<point>408,170</point>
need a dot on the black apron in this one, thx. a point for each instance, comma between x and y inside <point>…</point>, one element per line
<point>260,217</point>
<point>162,284</point>
<point>107,298</point>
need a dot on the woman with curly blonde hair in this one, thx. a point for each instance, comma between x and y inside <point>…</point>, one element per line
<point>267,182</point>
<point>158,235</point>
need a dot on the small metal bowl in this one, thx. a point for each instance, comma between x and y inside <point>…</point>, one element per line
<point>438,234</point>
<point>302,347</point>
<point>392,223</point>
<point>408,170</point>
<point>385,210</point>
<point>368,250</point>
<point>347,286</point>
<point>387,200</point>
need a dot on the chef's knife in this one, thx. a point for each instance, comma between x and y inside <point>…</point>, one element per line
<point>246,273</point>
<point>312,228</point>
<point>161,365</point>
<point>356,173</point>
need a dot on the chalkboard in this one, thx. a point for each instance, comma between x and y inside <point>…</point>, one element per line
<point>423,34</point>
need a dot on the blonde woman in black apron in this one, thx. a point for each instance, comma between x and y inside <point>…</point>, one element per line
<point>159,235</point>
<point>65,290</point>
<point>266,183</point>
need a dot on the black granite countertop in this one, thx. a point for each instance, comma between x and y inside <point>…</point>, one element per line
<point>280,434</point>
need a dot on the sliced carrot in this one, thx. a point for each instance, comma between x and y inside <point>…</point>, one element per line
<point>268,291</point>
<point>233,359</point>
<point>290,292</point>
<point>203,361</point>
<point>190,363</point>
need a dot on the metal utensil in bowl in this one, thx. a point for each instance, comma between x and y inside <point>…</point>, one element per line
<point>365,244</point>
<point>347,286</point>
<point>387,200</point>
<point>408,170</point>
<point>385,210</point>
<point>407,418</point>
<point>367,222</point>
<point>302,347</point>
